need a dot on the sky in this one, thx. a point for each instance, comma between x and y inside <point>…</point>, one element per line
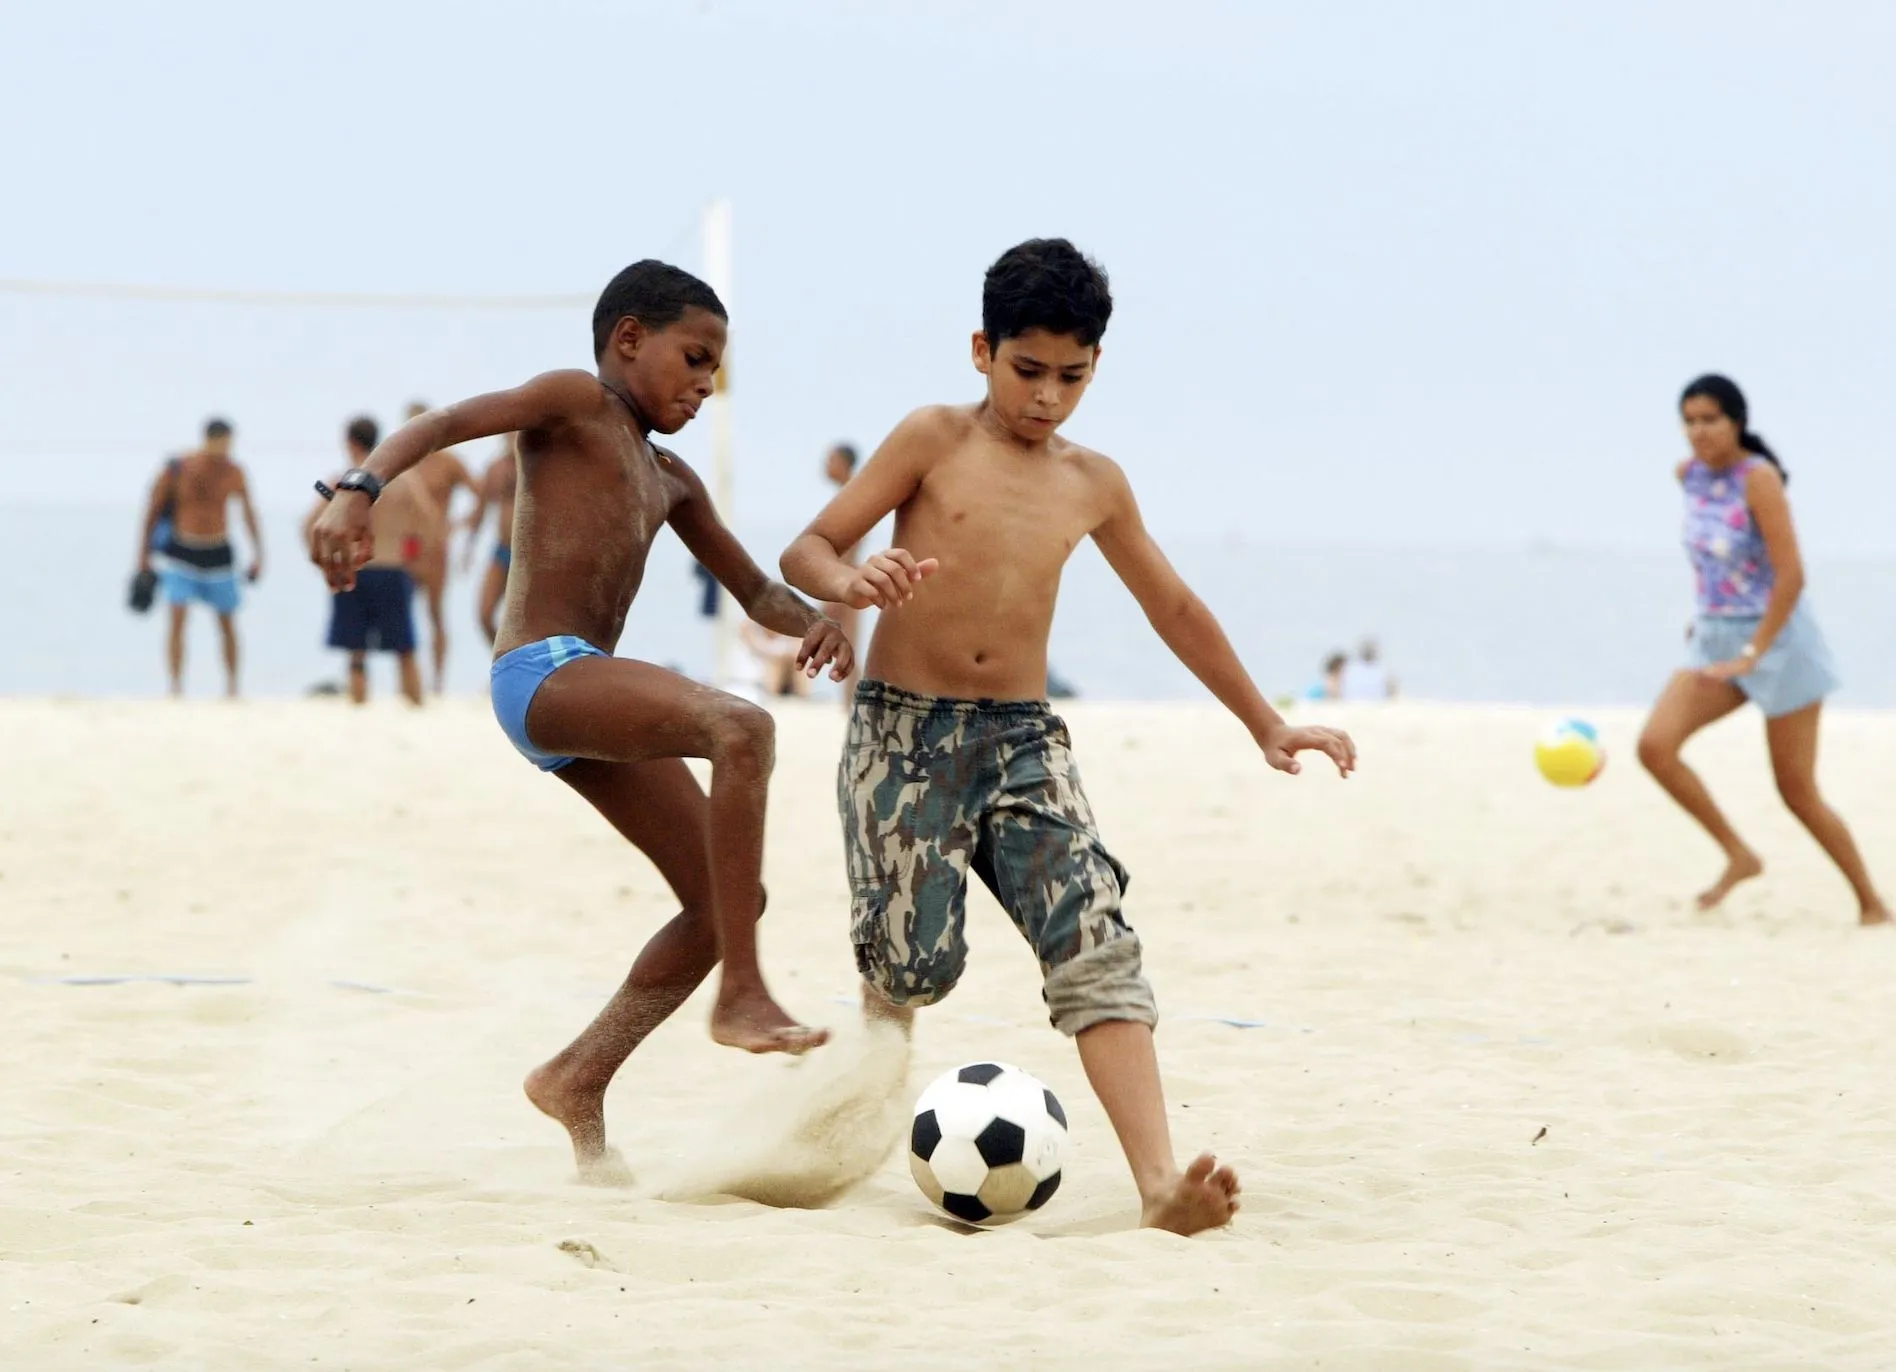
<point>1384,272</point>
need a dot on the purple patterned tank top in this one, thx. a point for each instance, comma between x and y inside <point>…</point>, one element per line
<point>1728,557</point>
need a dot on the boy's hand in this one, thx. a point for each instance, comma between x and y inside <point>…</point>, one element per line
<point>825,645</point>
<point>887,580</point>
<point>1283,743</point>
<point>342,540</point>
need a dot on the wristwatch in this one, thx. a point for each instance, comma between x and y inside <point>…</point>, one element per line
<point>1748,652</point>
<point>355,479</point>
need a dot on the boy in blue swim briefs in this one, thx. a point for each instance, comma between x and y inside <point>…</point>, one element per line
<point>593,492</point>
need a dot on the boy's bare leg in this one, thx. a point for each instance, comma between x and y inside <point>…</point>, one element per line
<point>1689,702</point>
<point>174,650</point>
<point>660,809</point>
<point>618,710</point>
<point>359,678</point>
<point>1123,1067</point>
<point>227,626</point>
<point>411,677</point>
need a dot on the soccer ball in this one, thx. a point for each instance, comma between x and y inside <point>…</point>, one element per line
<point>1569,754</point>
<point>986,1143</point>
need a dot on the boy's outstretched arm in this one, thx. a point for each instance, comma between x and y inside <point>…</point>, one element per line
<point>341,541</point>
<point>771,603</point>
<point>815,564</point>
<point>1193,634</point>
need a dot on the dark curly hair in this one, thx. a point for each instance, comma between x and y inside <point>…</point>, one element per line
<point>654,293</point>
<point>1045,283</point>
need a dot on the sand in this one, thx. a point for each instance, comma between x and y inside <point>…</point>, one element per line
<point>1498,1096</point>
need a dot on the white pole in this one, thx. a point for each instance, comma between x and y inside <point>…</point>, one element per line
<point>717,271</point>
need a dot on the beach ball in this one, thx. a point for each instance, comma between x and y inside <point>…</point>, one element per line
<point>1569,754</point>
<point>987,1142</point>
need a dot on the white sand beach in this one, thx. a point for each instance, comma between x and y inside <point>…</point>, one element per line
<point>1377,995</point>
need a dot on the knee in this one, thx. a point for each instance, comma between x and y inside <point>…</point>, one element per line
<point>914,982</point>
<point>1102,983</point>
<point>1799,793</point>
<point>1657,752</point>
<point>744,736</point>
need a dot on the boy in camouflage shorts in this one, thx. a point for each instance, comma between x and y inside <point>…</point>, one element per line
<point>931,789</point>
<point>954,764</point>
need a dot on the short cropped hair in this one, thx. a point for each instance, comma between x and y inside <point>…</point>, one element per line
<point>654,293</point>
<point>1045,283</point>
<point>217,428</point>
<point>363,432</point>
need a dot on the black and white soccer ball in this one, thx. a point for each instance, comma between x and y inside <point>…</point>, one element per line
<point>987,1142</point>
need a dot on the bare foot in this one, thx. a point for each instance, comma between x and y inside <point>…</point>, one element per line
<point>1874,913</point>
<point>583,1112</point>
<point>1740,868</point>
<point>751,1020</point>
<point>1204,1197</point>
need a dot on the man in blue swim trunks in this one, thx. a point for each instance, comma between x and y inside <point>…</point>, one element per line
<point>377,615</point>
<point>199,565</point>
<point>594,491</point>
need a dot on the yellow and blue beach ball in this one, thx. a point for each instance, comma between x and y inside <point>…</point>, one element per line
<point>1569,754</point>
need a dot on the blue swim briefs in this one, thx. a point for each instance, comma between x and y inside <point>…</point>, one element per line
<point>517,677</point>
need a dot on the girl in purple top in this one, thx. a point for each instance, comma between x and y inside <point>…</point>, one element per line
<point>1753,639</point>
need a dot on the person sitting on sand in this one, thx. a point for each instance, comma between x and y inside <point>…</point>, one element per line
<point>594,492</point>
<point>1754,639</point>
<point>1329,682</point>
<point>1364,677</point>
<point>776,655</point>
<point>953,761</point>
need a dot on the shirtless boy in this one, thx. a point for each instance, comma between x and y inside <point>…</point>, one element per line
<point>378,613</point>
<point>495,492</point>
<point>953,761</point>
<point>594,490</point>
<point>194,493</point>
<point>438,475</point>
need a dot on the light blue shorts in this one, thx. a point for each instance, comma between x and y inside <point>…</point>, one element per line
<point>215,588</point>
<point>517,677</point>
<point>1797,670</point>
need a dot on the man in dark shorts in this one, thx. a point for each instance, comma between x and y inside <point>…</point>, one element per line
<point>377,615</point>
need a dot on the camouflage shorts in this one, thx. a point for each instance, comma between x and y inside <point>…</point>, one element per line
<point>931,789</point>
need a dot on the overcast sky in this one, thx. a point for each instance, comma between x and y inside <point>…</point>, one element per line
<point>1430,273</point>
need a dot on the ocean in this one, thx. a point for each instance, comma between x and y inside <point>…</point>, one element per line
<point>1563,628</point>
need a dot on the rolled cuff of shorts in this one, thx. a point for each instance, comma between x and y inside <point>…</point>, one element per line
<point>1101,984</point>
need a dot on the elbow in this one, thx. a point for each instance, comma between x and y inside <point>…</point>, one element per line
<point>1790,580</point>
<point>795,564</point>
